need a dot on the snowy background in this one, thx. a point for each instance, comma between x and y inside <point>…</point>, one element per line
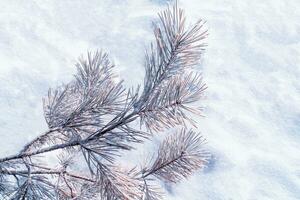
<point>251,67</point>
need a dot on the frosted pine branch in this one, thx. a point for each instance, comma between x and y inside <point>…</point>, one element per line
<point>178,156</point>
<point>93,119</point>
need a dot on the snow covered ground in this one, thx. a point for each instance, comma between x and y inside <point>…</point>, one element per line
<point>251,67</point>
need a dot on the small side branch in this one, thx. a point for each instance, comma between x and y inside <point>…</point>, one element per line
<point>46,172</point>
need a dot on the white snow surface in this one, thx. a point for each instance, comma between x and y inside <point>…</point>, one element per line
<point>251,67</point>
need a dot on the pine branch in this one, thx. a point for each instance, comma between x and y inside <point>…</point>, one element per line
<point>169,105</point>
<point>92,120</point>
<point>175,49</point>
<point>39,140</point>
<point>36,187</point>
<point>115,184</point>
<point>125,120</point>
<point>151,192</point>
<point>47,171</point>
<point>178,156</point>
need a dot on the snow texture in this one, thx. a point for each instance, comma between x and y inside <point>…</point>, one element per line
<point>251,67</point>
